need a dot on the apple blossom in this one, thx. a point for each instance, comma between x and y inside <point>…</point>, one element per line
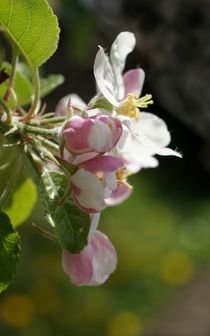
<point>94,264</point>
<point>95,181</point>
<point>107,146</point>
<point>122,91</point>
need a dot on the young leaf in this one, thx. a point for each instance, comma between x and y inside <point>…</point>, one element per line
<point>22,87</point>
<point>9,251</point>
<point>32,26</point>
<point>23,200</point>
<point>50,83</point>
<point>70,223</point>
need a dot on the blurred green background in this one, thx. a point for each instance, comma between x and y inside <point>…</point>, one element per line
<point>162,233</point>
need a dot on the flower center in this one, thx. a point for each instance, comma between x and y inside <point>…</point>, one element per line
<point>121,174</point>
<point>131,105</point>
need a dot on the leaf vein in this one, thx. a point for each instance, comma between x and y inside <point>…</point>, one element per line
<point>10,14</point>
<point>27,28</point>
<point>41,35</point>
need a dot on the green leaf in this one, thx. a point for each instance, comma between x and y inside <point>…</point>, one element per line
<point>9,251</point>
<point>23,200</point>
<point>22,87</point>
<point>32,26</point>
<point>70,223</point>
<point>50,83</point>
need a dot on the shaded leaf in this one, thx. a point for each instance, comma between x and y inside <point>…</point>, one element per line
<point>22,87</point>
<point>9,251</point>
<point>50,83</point>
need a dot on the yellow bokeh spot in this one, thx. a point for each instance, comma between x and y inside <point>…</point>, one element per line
<point>177,268</point>
<point>17,310</point>
<point>126,324</point>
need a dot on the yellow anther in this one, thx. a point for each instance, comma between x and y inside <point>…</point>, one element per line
<point>121,174</point>
<point>131,105</point>
<point>144,101</point>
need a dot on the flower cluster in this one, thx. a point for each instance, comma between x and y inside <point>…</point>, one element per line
<point>106,141</point>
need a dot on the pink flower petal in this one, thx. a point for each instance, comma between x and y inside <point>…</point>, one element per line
<point>120,194</point>
<point>79,267</point>
<point>76,133</point>
<point>133,81</point>
<point>106,163</point>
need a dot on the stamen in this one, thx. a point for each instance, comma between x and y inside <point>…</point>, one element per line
<point>131,105</point>
<point>121,174</point>
<point>144,101</point>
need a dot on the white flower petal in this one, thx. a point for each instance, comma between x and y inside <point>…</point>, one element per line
<point>152,133</point>
<point>104,76</point>
<point>105,258</point>
<point>153,128</point>
<point>100,136</point>
<point>121,47</point>
<point>110,180</point>
<point>91,195</point>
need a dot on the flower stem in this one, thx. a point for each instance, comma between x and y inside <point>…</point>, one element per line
<point>44,232</point>
<point>51,121</point>
<point>36,80</point>
<point>50,145</point>
<point>39,131</point>
<point>7,110</point>
<point>13,73</point>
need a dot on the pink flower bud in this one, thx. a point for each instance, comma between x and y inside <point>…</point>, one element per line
<point>94,264</point>
<point>97,134</point>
